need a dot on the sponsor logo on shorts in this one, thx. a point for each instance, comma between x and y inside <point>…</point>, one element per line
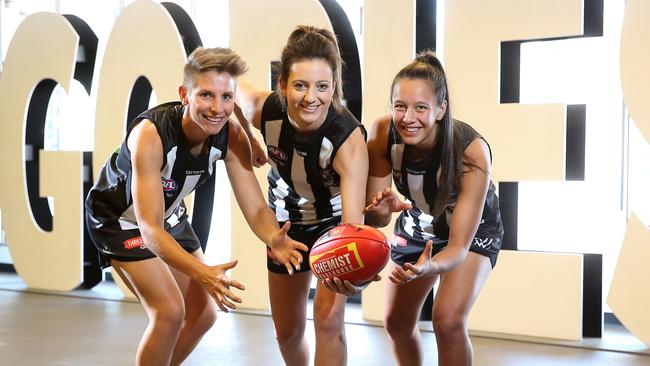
<point>276,154</point>
<point>485,243</point>
<point>136,242</point>
<point>398,241</point>
<point>334,263</point>
<point>169,185</point>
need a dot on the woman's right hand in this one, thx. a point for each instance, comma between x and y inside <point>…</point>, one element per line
<point>424,267</point>
<point>217,284</point>
<point>346,287</point>
<point>386,202</point>
<point>286,250</point>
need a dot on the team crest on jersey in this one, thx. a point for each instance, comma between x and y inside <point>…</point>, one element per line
<point>278,156</point>
<point>328,176</point>
<point>169,186</point>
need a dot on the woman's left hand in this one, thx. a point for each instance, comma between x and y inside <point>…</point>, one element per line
<point>346,287</point>
<point>424,267</point>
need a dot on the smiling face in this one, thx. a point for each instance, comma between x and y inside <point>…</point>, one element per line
<point>415,111</point>
<point>308,91</point>
<point>210,101</point>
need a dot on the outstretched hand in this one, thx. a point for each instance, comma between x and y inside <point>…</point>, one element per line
<point>218,284</point>
<point>346,287</point>
<point>424,267</point>
<point>385,203</point>
<point>286,250</point>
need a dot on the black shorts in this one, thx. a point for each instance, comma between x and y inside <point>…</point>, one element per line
<point>407,249</point>
<point>128,245</point>
<point>306,234</point>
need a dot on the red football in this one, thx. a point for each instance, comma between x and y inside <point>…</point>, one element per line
<point>352,252</point>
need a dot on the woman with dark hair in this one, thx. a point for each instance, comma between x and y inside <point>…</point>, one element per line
<point>449,227</point>
<point>319,167</point>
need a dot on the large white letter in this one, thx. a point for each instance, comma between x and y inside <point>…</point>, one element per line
<point>43,47</point>
<point>628,296</point>
<point>144,42</point>
<point>527,140</point>
<point>528,143</point>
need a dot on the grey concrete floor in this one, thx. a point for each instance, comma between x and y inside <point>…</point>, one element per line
<point>82,328</point>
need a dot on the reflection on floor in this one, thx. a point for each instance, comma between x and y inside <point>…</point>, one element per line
<point>91,327</point>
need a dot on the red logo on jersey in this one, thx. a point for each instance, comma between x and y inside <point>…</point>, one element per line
<point>136,242</point>
<point>169,185</point>
<point>276,154</point>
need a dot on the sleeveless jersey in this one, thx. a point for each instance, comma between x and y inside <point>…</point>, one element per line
<point>303,186</point>
<point>416,181</point>
<point>110,202</point>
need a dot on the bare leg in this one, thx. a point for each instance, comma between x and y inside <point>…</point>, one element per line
<point>403,306</point>
<point>288,296</point>
<point>329,316</point>
<point>200,314</point>
<point>457,292</point>
<point>152,282</point>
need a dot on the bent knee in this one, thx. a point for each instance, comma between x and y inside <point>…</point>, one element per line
<point>171,316</point>
<point>397,326</point>
<point>289,337</point>
<point>207,319</point>
<point>329,326</point>
<point>449,325</point>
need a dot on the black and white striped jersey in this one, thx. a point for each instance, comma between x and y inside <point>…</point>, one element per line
<point>303,186</point>
<point>417,182</point>
<point>110,201</point>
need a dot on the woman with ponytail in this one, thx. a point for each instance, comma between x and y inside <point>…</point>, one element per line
<point>449,227</point>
